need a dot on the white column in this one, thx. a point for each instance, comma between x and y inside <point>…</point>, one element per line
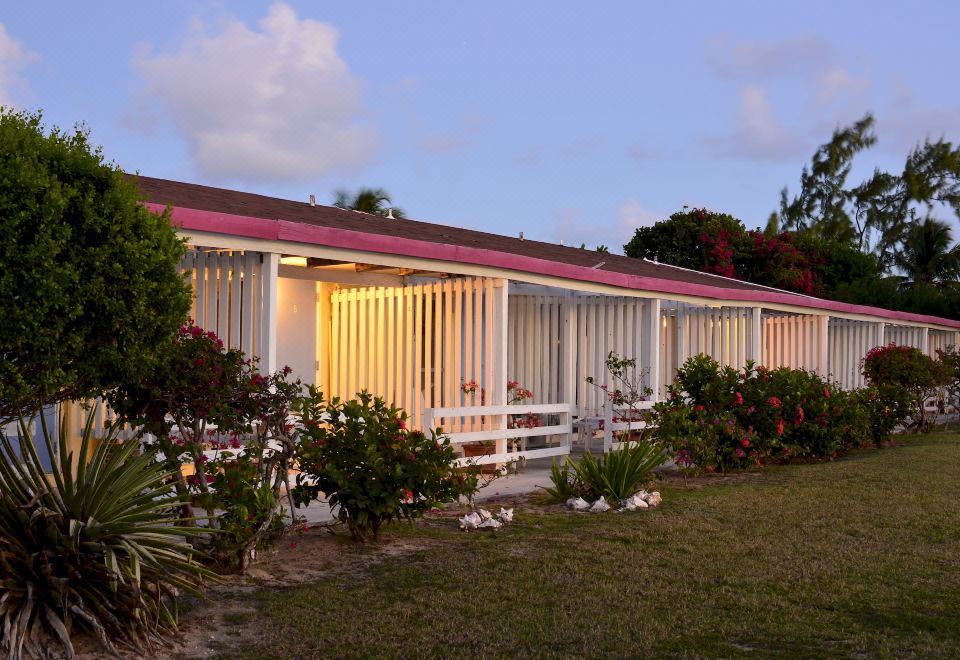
<point>324,314</point>
<point>756,337</point>
<point>568,357</point>
<point>268,315</point>
<point>925,341</point>
<point>823,338</point>
<point>501,312</point>
<point>654,328</point>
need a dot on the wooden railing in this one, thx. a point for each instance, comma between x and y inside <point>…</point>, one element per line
<point>500,432</point>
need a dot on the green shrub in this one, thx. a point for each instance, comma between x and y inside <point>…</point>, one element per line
<point>95,546</point>
<point>374,470</point>
<point>206,397</point>
<point>616,475</point>
<point>903,378</point>
<point>719,418</point>
<point>89,290</point>
<point>564,485</point>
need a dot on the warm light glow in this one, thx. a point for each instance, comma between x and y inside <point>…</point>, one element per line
<point>293,261</point>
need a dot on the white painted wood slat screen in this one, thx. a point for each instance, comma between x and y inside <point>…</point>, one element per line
<point>723,333</point>
<point>792,341</point>
<point>228,296</point>
<point>904,335</point>
<point>415,345</point>
<point>849,341</point>
<point>940,340</point>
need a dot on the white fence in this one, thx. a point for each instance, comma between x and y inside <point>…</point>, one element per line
<point>849,343</point>
<point>724,333</point>
<point>798,342</point>
<point>496,418</point>
<point>905,335</point>
<point>416,345</point>
<point>228,296</point>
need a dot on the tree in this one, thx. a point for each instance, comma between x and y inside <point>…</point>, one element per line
<point>374,201</point>
<point>874,216</point>
<point>677,240</point>
<point>718,243</point>
<point>928,257</point>
<point>89,289</point>
<point>823,202</point>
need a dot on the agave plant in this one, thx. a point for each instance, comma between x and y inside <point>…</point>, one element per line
<point>617,474</point>
<point>94,544</point>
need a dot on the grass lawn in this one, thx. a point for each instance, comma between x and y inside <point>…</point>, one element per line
<point>855,557</point>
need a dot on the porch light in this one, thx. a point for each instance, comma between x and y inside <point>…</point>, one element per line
<point>293,261</point>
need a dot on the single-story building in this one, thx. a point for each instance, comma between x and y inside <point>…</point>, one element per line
<point>411,310</point>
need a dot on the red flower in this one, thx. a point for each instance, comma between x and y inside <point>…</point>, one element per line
<point>737,398</point>
<point>745,442</point>
<point>402,424</point>
<point>826,392</point>
<point>780,427</point>
<point>774,401</point>
<point>698,408</point>
<point>799,414</point>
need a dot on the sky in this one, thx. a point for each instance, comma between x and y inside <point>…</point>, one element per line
<point>568,121</point>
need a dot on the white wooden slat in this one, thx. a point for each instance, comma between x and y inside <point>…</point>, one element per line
<point>419,387</point>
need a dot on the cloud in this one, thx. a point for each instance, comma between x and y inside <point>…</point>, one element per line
<point>13,57</point>
<point>532,155</point>
<point>453,139</point>
<point>805,70</point>
<point>759,61</point>
<point>271,102</point>
<point>642,152</point>
<point>572,227</point>
<point>903,128</point>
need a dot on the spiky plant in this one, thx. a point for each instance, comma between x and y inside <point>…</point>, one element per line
<point>93,544</point>
<point>619,473</point>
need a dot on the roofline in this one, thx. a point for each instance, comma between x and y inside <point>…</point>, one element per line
<point>277,229</point>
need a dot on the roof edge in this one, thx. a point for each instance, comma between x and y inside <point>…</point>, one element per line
<point>298,232</point>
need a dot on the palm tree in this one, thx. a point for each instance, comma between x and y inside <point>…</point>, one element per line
<point>928,257</point>
<point>375,201</point>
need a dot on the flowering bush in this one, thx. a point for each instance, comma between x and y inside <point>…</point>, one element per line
<point>208,406</point>
<point>372,468</point>
<point>625,390</point>
<point>903,378</point>
<point>717,418</point>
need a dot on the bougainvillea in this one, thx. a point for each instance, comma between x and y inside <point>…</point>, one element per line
<point>903,378</point>
<point>718,418</point>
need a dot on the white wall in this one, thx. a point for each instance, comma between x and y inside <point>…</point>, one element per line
<point>297,328</point>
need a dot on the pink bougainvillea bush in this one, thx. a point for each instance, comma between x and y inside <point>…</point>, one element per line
<point>901,378</point>
<point>720,418</point>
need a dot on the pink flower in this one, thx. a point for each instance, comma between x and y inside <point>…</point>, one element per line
<point>402,424</point>
<point>745,442</point>
<point>826,392</point>
<point>740,453</point>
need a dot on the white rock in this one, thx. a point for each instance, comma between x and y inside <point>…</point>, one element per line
<point>654,499</point>
<point>505,515</point>
<point>578,504</point>
<point>628,505</point>
<point>600,506</point>
<point>471,521</point>
<point>490,523</point>
<point>484,514</point>
<point>639,502</point>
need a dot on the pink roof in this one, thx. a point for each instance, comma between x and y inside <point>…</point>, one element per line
<point>213,210</point>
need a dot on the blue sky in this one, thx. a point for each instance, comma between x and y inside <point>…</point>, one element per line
<point>566,120</point>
